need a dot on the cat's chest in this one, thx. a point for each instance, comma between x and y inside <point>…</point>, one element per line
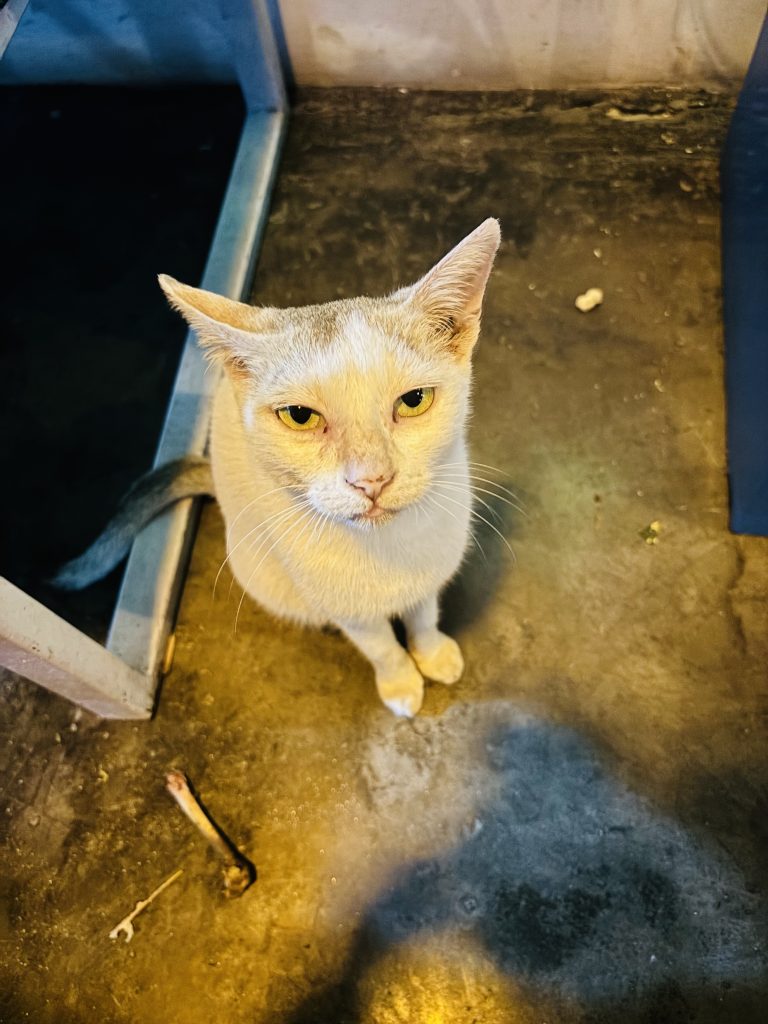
<point>385,570</point>
<point>339,573</point>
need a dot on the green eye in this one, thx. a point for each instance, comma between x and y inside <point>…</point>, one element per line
<point>300,417</point>
<point>414,403</point>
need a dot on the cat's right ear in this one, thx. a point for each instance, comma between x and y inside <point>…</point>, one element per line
<point>229,332</point>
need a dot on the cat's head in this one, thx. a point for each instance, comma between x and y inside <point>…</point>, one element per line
<point>354,403</point>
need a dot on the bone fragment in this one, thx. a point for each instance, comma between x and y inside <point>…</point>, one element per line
<point>239,873</point>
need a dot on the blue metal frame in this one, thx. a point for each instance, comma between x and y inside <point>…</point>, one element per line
<point>151,587</point>
<point>745,296</point>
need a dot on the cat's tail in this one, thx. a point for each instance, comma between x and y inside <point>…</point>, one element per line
<point>164,486</point>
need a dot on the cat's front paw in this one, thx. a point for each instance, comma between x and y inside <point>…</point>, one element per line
<point>402,690</point>
<point>439,659</point>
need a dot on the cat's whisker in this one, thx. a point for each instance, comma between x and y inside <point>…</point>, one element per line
<point>431,498</point>
<point>453,515</point>
<point>474,483</point>
<point>266,535</point>
<point>282,536</point>
<point>326,518</point>
<point>313,535</point>
<point>476,465</point>
<point>250,504</point>
<point>474,537</point>
<point>486,465</point>
<point>482,519</point>
<point>482,465</point>
<point>491,483</point>
<point>245,537</point>
<point>257,542</point>
<point>314,518</point>
<point>519,503</point>
<point>311,512</point>
<point>327,524</point>
<point>449,482</point>
<point>229,555</point>
<point>242,540</point>
<point>326,521</point>
<point>458,487</point>
<point>317,532</point>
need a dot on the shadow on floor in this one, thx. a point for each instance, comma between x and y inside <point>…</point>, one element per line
<point>579,892</point>
<point>12,1011</point>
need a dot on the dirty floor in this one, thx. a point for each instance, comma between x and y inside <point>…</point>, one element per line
<point>575,833</point>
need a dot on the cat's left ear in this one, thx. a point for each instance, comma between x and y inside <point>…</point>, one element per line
<point>450,296</point>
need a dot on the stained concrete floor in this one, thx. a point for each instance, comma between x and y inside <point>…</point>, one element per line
<point>577,831</point>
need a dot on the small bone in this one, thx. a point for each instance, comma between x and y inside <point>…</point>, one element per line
<point>126,925</point>
<point>239,873</point>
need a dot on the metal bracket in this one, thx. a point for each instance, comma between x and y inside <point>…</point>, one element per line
<point>146,605</point>
<point>42,647</point>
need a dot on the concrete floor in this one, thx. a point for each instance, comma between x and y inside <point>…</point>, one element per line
<point>577,831</point>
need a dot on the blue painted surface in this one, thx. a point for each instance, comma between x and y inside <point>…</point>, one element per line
<point>745,297</point>
<point>120,42</point>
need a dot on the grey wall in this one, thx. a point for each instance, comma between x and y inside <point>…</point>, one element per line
<point>503,44</point>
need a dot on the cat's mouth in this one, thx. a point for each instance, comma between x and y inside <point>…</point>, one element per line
<point>374,516</point>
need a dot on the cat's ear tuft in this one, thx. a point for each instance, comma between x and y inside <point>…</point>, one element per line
<point>450,296</point>
<point>228,331</point>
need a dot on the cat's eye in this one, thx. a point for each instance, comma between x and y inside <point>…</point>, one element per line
<point>415,402</point>
<point>300,417</point>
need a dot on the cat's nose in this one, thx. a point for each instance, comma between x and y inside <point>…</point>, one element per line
<point>371,486</point>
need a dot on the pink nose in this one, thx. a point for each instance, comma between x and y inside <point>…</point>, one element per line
<point>371,486</point>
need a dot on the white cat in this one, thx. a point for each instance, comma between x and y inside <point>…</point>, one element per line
<point>339,460</point>
<point>333,427</point>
